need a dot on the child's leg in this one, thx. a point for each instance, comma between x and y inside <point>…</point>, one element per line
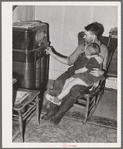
<point>56,100</point>
<point>67,82</point>
<point>71,83</point>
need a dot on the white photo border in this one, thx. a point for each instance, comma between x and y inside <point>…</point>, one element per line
<point>7,74</point>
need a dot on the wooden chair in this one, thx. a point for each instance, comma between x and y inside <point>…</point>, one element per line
<point>25,108</point>
<point>91,98</point>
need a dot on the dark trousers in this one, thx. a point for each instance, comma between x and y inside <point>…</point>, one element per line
<point>57,112</point>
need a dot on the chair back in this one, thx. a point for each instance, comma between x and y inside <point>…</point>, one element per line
<point>110,42</point>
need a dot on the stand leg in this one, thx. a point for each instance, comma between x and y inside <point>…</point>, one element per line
<point>37,98</point>
<point>21,126</point>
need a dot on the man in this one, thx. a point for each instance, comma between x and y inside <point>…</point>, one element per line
<point>93,32</point>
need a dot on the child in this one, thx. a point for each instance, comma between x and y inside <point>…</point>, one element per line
<point>90,59</point>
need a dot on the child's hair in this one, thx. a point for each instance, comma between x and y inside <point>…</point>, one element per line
<point>95,49</point>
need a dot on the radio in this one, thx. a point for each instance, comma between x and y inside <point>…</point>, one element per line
<point>29,35</point>
<point>30,62</point>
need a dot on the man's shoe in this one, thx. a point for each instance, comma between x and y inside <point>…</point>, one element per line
<point>45,117</point>
<point>55,120</point>
<point>48,115</point>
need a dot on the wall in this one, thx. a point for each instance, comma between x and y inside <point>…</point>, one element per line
<point>23,13</point>
<point>65,22</point>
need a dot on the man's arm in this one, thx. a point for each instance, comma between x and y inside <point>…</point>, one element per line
<point>57,57</point>
<point>72,58</point>
<point>68,60</point>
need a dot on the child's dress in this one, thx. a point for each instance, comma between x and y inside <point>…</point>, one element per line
<point>90,63</point>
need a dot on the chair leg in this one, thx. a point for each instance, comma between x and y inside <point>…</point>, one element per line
<point>92,109</point>
<point>87,108</point>
<point>21,126</point>
<point>97,99</point>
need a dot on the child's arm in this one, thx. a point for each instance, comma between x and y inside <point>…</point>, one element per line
<point>81,70</point>
<point>94,62</point>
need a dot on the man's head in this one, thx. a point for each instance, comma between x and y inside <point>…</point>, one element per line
<point>93,31</point>
<point>92,49</point>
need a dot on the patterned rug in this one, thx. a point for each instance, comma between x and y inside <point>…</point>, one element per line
<point>70,129</point>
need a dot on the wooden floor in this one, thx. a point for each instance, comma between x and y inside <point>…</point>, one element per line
<point>107,106</point>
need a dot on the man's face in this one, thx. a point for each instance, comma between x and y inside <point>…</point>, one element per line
<point>89,36</point>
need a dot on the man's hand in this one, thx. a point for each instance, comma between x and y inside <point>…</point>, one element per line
<point>56,56</point>
<point>49,50</point>
<point>97,72</point>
